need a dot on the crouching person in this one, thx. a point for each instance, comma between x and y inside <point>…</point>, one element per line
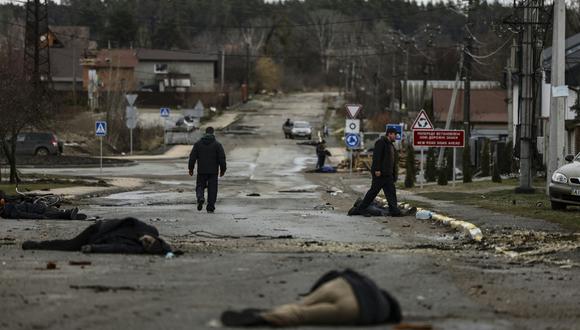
<point>337,298</point>
<point>127,235</point>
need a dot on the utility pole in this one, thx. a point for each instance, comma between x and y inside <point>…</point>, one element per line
<point>527,106</point>
<point>74,70</point>
<point>451,108</point>
<point>467,50</point>
<point>393,80</point>
<point>511,63</point>
<point>37,44</point>
<point>353,77</point>
<point>406,76</point>
<point>248,65</point>
<point>222,69</point>
<point>557,147</point>
<point>531,19</point>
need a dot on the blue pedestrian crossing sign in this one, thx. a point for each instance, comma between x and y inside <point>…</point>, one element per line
<point>398,128</point>
<point>352,140</point>
<point>101,128</point>
<point>164,112</point>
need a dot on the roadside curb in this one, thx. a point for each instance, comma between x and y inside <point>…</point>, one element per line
<point>128,164</point>
<point>466,228</point>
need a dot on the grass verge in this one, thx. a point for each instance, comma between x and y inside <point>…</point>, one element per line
<point>535,205</point>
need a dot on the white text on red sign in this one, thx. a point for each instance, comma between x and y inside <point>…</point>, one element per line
<point>439,138</point>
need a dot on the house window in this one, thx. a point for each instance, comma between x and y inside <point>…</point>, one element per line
<point>160,68</point>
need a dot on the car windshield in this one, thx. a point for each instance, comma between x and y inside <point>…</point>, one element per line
<point>301,125</point>
<point>577,158</point>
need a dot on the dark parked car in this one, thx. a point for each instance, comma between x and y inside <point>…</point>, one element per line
<point>41,144</point>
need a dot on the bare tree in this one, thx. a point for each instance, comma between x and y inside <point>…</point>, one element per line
<point>21,105</point>
<point>325,31</point>
<point>254,34</point>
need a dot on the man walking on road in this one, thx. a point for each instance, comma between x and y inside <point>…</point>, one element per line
<point>211,161</point>
<point>383,171</point>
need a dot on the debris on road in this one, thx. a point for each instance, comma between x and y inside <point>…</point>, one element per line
<point>468,229</point>
<point>324,207</point>
<point>51,265</point>
<point>102,288</point>
<point>207,234</point>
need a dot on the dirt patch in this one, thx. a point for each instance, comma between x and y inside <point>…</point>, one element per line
<point>60,161</point>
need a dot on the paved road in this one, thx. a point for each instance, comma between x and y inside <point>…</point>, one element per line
<point>439,278</point>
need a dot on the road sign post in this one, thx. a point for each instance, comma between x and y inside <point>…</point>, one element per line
<point>131,112</point>
<point>421,123</point>
<point>454,161</point>
<point>164,113</point>
<point>352,141</point>
<point>352,130</point>
<point>100,131</point>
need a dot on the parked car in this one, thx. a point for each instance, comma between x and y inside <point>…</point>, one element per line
<point>565,184</point>
<point>301,129</point>
<point>38,143</point>
<point>187,123</point>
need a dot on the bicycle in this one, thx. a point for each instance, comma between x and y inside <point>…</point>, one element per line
<point>44,199</point>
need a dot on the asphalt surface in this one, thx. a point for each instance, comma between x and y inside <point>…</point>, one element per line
<point>275,231</point>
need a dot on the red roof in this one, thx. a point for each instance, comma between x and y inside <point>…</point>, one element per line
<point>487,105</point>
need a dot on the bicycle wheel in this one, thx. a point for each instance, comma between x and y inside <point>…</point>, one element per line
<point>48,200</point>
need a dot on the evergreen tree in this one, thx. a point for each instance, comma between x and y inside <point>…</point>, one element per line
<point>449,163</point>
<point>507,158</point>
<point>431,169</point>
<point>485,158</point>
<point>495,173</point>
<point>122,28</point>
<point>442,173</point>
<point>467,173</point>
<point>410,167</point>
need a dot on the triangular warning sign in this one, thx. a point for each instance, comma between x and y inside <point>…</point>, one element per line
<point>101,129</point>
<point>352,110</point>
<point>422,122</point>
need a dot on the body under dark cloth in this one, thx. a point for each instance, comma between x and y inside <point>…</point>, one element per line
<point>108,236</point>
<point>26,210</point>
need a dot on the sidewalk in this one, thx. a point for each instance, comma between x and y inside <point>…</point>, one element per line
<point>117,185</point>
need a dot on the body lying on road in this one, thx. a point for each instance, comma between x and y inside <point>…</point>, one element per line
<point>337,298</point>
<point>39,211</point>
<point>128,235</point>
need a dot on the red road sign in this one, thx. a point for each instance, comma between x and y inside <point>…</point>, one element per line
<point>352,110</point>
<point>422,122</point>
<point>439,138</point>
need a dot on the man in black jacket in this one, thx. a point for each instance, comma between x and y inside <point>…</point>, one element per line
<point>383,171</point>
<point>211,160</point>
<point>127,235</point>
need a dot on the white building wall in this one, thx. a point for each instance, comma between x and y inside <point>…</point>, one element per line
<point>201,73</point>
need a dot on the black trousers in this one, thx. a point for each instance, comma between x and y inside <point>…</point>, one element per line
<point>387,184</point>
<point>321,161</point>
<point>54,213</point>
<point>209,181</point>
